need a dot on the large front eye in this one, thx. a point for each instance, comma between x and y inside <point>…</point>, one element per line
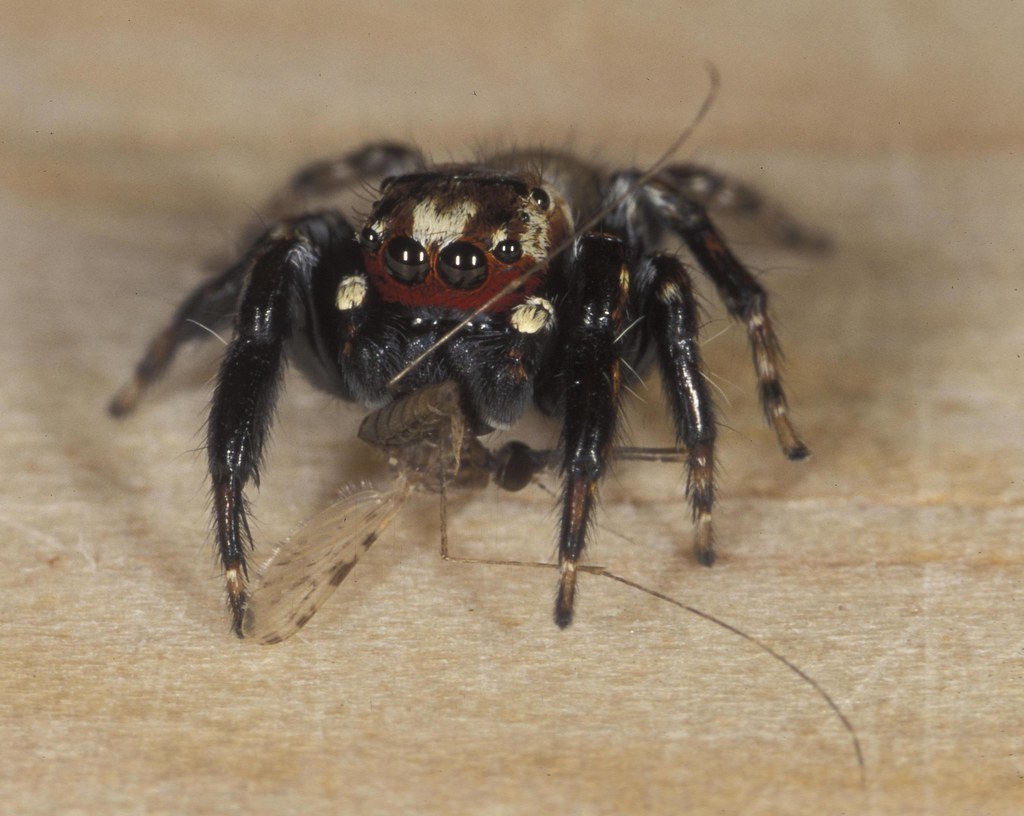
<point>407,260</point>
<point>462,265</point>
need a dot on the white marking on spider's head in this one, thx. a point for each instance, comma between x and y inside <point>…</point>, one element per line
<point>498,236</point>
<point>351,293</point>
<point>536,237</point>
<point>532,315</point>
<point>431,225</point>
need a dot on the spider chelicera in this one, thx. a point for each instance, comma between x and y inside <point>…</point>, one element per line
<point>473,279</point>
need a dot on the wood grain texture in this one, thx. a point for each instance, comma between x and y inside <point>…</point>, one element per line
<point>137,140</point>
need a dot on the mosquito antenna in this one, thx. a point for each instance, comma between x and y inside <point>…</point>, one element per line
<point>604,572</point>
<point>516,283</point>
<point>760,644</point>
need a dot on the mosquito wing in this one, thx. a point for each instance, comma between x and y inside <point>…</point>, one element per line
<point>302,573</point>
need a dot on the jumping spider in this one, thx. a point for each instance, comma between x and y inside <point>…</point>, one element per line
<point>476,275</point>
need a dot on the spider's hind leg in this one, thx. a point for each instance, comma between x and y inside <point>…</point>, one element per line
<point>212,304</point>
<point>208,308</point>
<point>747,300</point>
<point>367,165</point>
<point>723,194</point>
<point>659,205</point>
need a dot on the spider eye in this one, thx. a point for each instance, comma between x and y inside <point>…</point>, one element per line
<point>540,198</point>
<point>369,238</point>
<point>462,265</point>
<point>407,260</point>
<point>508,251</point>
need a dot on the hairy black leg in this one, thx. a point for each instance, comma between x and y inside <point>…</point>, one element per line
<point>599,283</point>
<point>659,204</point>
<point>208,307</point>
<point>248,385</point>
<point>747,300</point>
<point>724,194</point>
<point>672,315</point>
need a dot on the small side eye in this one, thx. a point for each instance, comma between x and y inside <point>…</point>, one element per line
<point>407,260</point>
<point>540,198</point>
<point>369,239</point>
<point>462,265</point>
<point>508,251</point>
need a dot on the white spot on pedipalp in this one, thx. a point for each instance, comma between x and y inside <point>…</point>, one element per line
<point>532,315</point>
<point>351,292</point>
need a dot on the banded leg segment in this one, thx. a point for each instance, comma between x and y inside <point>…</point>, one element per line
<point>209,307</point>
<point>661,204</point>
<point>359,168</point>
<point>592,379</point>
<point>672,313</point>
<point>721,193</point>
<point>746,300</point>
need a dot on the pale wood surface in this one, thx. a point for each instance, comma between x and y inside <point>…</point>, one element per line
<point>136,141</point>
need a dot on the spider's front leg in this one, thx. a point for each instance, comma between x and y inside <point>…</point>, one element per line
<point>599,281</point>
<point>284,263</point>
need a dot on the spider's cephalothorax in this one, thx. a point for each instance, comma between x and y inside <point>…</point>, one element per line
<point>474,275</point>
